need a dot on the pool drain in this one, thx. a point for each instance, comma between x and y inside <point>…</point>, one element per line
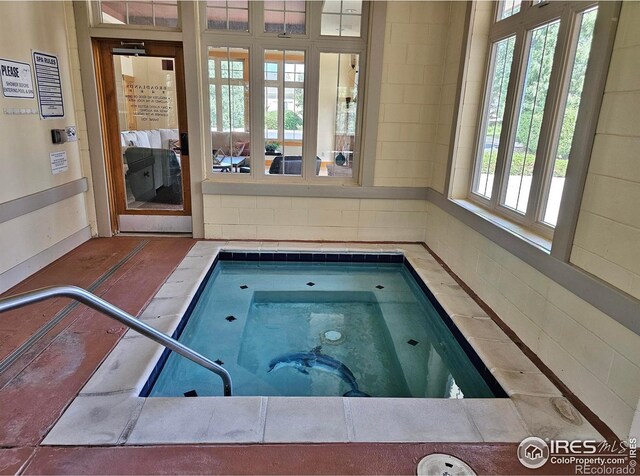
<point>443,465</point>
<point>332,337</point>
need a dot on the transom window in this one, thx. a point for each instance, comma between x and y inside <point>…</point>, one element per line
<point>153,13</point>
<point>228,15</point>
<point>507,8</point>
<point>285,16</point>
<point>341,17</point>
<point>530,108</point>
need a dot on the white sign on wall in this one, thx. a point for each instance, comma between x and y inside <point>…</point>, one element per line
<point>58,162</point>
<point>17,81</point>
<point>49,85</point>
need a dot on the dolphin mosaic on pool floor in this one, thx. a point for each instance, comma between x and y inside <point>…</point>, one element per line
<point>109,411</point>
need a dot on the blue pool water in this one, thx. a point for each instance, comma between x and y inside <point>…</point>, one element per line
<point>322,329</point>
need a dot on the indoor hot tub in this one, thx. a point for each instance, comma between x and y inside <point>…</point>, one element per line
<point>321,324</point>
<point>365,343</point>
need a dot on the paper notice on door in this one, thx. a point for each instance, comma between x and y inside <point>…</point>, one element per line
<point>58,162</point>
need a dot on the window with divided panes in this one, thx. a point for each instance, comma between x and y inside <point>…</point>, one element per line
<point>533,92</point>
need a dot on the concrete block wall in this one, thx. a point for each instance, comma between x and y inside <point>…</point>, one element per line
<point>471,96</point>
<point>607,240</point>
<point>80,116</point>
<point>595,356</point>
<point>454,37</point>
<point>414,64</point>
<point>301,218</point>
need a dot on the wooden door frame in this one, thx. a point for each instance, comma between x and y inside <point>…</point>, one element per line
<point>107,100</point>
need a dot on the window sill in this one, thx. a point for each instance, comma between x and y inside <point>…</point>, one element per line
<point>306,189</point>
<point>617,304</point>
<point>512,227</point>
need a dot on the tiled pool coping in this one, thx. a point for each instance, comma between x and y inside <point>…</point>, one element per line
<point>108,410</point>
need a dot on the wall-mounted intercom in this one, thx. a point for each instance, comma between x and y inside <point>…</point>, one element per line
<point>58,136</point>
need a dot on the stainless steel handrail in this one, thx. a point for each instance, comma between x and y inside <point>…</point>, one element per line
<point>93,301</point>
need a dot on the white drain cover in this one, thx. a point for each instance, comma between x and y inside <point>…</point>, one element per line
<point>439,464</point>
<point>333,336</point>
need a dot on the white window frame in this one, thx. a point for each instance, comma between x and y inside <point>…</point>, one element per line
<point>521,24</point>
<point>205,21</point>
<point>219,82</point>
<point>281,84</point>
<point>96,20</point>
<point>284,33</point>
<point>312,43</point>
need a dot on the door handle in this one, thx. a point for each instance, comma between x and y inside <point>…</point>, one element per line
<point>184,143</point>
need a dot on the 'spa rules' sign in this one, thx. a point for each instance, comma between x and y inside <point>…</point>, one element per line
<point>49,85</point>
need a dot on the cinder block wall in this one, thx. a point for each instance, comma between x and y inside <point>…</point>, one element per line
<point>298,218</point>
<point>593,354</point>
<point>414,62</point>
<point>598,358</point>
<point>607,242</point>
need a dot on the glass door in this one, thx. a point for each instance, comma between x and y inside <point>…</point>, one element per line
<point>144,115</point>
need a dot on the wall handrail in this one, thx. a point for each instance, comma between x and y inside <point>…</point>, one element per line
<point>108,309</point>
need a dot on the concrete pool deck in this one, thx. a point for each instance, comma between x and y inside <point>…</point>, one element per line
<point>108,410</point>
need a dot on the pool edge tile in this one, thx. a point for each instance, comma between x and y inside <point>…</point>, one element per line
<point>198,420</point>
<point>516,382</point>
<point>159,307</point>
<point>480,327</point>
<point>95,420</point>
<point>120,372</point>
<point>496,419</point>
<point>460,305</point>
<point>502,355</point>
<point>411,420</point>
<point>204,248</point>
<point>542,419</point>
<point>264,401</point>
<point>305,420</point>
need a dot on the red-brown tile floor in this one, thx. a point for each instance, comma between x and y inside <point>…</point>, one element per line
<point>38,386</point>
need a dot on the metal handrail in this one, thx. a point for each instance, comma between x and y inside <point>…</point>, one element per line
<point>93,301</point>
